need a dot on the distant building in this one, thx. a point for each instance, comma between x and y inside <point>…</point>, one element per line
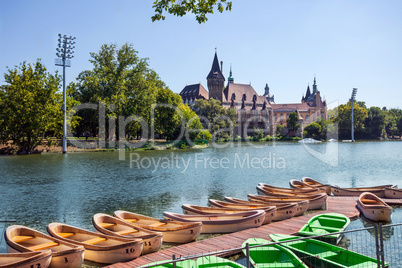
<point>253,110</point>
<point>311,109</point>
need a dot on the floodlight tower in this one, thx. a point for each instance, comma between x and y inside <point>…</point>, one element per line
<point>65,53</point>
<point>352,99</point>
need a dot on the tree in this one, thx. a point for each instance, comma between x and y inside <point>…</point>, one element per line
<point>200,8</point>
<point>191,122</point>
<point>292,122</point>
<point>399,125</point>
<point>375,122</point>
<point>312,130</point>
<point>344,119</point>
<point>122,82</point>
<point>29,105</point>
<point>167,120</point>
<point>219,120</point>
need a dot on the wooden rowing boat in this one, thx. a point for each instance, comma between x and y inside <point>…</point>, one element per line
<point>315,201</point>
<point>271,255</point>
<point>284,210</point>
<point>26,260</point>
<point>173,231</point>
<point>392,192</point>
<point>326,223</point>
<point>270,211</point>
<point>317,253</point>
<point>264,186</point>
<point>216,262</point>
<point>373,207</point>
<point>23,239</point>
<point>377,190</point>
<point>304,186</point>
<point>200,210</point>
<point>270,192</point>
<point>222,223</point>
<point>316,184</point>
<point>113,226</point>
<point>98,247</point>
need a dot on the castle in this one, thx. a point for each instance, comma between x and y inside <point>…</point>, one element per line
<point>253,111</point>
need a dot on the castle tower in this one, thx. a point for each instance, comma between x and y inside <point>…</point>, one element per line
<point>230,78</point>
<point>270,98</point>
<point>216,80</point>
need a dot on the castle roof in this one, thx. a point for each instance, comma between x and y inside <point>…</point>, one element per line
<point>215,69</point>
<point>195,91</point>
<point>240,91</point>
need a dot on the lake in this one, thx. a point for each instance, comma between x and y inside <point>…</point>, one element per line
<point>39,189</point>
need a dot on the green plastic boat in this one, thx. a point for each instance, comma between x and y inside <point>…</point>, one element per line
<point>326,224</point>
<point>321,254</point>
<point>272,255</point>
<point>213,261</point>
<point>179,264</point>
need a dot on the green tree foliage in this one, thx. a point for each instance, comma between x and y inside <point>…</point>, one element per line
<point>200,8</point>
<point>122,82</point>
<point>191,122</point>
<point>292,122</point>
<point>29,105</point>
<point>167,120</point>
<point>344,119</point>
<point>312,130</point>
<point>279,129</point>
<point>375,122</point>
<point>219,120</point>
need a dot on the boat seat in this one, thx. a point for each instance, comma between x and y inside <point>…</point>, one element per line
<point>127,232</point>
<point>157,224</point>
<point>131,220</point>
<point>95,240</point>
<point>66,234</point>
<point>369,201</point>
<point>214,218</point>
<point>22,238</point>
<point>43,246</point>
<point>364,264</point>
<point>106,225</point>
<point>332,219</point>
<point>325,227</point>
<point>327,254</point>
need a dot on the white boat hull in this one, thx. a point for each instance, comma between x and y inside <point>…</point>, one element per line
<point>113,256</point>
<point>183,235</point>
<point>393,193</point>
<point>375,214</point>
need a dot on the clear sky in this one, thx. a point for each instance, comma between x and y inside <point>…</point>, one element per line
<point>284,43</point>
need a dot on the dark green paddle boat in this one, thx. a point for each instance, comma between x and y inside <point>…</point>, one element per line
<point>326,224</point>
<point>320,254</point>
<point>271,255</point>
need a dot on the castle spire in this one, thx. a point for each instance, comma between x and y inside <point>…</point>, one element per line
<point>215,69</point>
<point>230,78</point>
<point>308,93</point>
<point>314,85</point>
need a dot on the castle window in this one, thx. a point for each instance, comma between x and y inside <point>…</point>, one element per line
<point>307,118</point>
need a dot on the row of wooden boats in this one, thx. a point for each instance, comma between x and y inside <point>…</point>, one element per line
<point>383,191</point>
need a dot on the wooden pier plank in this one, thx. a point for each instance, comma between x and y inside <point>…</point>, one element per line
<point>338,204</point>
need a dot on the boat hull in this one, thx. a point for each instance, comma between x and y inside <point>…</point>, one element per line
<point>271,255</point>
<point>317,253</point>
<point>179,233</point>
<point>326,223</point>
<point>377,190</point>
<point>26,259</point>
<point>373,207</point>
<point>222,223</point>
<point>314,183</point>
<point>393,193</point>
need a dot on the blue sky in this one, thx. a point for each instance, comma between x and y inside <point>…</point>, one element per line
<point>345,43</point>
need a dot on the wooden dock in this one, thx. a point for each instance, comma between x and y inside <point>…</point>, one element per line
<point>345,205</point>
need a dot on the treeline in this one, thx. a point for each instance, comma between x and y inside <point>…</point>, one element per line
<point>369,123</point>
<point>121,87</point>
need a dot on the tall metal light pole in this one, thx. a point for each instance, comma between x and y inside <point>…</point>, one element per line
<point>65,53</point>
<point>352,99</point>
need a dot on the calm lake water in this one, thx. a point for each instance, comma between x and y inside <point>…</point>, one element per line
<point>39,189</point>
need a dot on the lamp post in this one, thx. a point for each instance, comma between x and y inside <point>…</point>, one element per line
<point>352,99</point>
<point>65,53</point>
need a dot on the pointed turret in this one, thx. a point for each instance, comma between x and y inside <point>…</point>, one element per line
<point>216,80</point>
<point>230,78</point>
<point>215,69</point>
<point>308,93</point>
<point>314,86</point>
